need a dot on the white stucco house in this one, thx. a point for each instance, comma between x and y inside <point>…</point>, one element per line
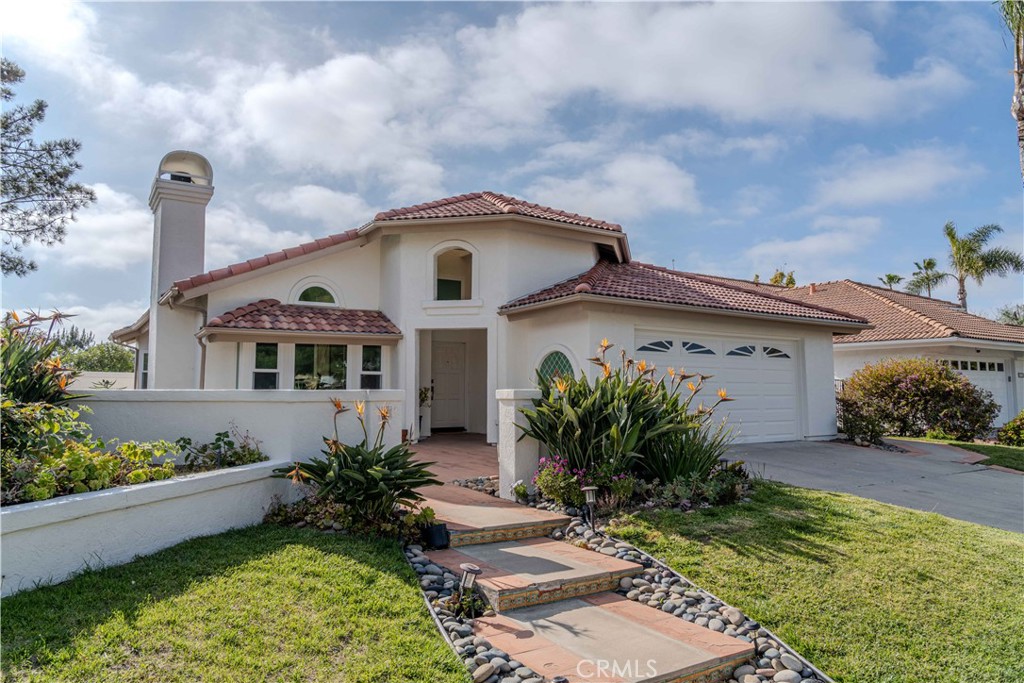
<point>903,325</point>
<point>460,298</point>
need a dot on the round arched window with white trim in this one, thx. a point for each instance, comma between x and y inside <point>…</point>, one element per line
<point>556,364</point>
<point>316,295</point>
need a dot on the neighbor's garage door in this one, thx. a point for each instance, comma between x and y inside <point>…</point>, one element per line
<point>760,374</point>
<point>990,375</point>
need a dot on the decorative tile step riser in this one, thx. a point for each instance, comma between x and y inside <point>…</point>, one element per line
<point>480,536</point>
<point>504,601</point>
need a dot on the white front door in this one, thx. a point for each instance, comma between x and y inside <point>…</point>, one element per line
<point>448,362</point>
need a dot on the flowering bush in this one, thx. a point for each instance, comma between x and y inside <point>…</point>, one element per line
<point>557,480</point>
<point>1012,433</point>
<point>909,397</point>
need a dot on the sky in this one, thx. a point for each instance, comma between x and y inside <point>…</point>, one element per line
<point>831,139</point>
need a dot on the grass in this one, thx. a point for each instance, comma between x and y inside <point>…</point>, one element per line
<point>997,454</point>
<point>867,591</point>
<point>260,604</point>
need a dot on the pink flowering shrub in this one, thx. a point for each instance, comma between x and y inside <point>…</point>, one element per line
<point>555,479</point>
<point>910,397</point>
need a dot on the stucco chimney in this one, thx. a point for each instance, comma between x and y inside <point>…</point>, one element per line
<point>181,190</point>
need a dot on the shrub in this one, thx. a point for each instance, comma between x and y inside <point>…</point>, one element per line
<point>616,423</point>
<point>558,482</point>
<point>369,479</point>
<point>910,396</point>
<point>228,449</point>
<point>859,421</point>
<point>29,370</point>
<point>691,452</point>
<point>1012,433</point>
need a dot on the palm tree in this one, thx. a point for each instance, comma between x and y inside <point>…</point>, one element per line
<point>891,280</point>
<point>1013,17</point>
<point>969,258</point>
<point>926,277</point>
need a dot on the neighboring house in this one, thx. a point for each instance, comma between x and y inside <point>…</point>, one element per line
<point>989,353</point>
<point>462,297</point>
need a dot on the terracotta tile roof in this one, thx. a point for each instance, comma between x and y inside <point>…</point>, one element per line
<point>265,260</point>
<point>490,204</point>
<point>644,282</point>
<point>271,314</point>
<point>901,316</point>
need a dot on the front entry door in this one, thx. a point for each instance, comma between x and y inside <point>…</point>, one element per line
<point>448,409</point>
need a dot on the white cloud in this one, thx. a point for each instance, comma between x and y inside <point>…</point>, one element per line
<point>233,235</point>
<point>751,200</point>
<point>738,61</point>
<point>103,320</point>
<point>627,187</point>
<point>336,210</point>
<point>820,255</point>
<point>700,142</point>
<point>863,178</point>
<point>112,234</point>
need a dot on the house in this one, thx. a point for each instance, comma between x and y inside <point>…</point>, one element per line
<point>989,353</point>
<point>453,300</point>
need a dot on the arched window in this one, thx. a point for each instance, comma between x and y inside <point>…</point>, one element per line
<point>556,363</point>
<point>316,295</point>
<point>454,273</point>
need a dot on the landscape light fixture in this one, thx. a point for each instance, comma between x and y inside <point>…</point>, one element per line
<point>591,493</point>
<point>469,574</point>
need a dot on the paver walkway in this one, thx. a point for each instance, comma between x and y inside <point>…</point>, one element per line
<point>557,613</point>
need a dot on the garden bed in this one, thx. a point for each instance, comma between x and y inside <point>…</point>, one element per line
<point>50,540</point>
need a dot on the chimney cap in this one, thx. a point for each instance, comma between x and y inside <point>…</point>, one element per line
<point>184,166</point>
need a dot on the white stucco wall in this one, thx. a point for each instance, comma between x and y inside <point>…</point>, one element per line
<point>289,424</point>
<point>51,540</point>
<point>86,380</point>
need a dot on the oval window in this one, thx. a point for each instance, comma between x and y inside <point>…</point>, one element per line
<point>316,295</point>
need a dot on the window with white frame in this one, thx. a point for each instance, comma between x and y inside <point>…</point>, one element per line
<point>454,273</point>
<point>144,371</point>
<point>321,366</point>
<point>372,375</point>
<point>265,374</point>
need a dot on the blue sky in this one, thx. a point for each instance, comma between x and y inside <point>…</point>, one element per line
<point>833,139</point>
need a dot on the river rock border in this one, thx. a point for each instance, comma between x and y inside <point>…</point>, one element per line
<point>485,663</point>
<point>660,587</point>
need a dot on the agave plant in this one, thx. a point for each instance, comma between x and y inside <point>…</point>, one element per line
<point>369,478</point>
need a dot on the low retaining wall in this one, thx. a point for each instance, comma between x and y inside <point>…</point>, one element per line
<point>52,540</point>
<point>289,424</point>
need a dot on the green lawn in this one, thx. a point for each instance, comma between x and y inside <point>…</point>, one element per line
<point>998,454</point>
<point>259,604</point>
<point>868,592</point>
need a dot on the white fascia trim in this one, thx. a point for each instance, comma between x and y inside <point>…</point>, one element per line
<point>933,341</point>
<point>593,298</point>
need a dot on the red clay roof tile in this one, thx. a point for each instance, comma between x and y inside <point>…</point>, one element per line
<point>271,314</point>
<point>644,282</point>
<point>490,204</point>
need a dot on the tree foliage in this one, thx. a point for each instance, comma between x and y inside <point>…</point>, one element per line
<point>969,259</point>
<point>926,277</point>
<point>1013,17</point>
<point>1011,315</point>
<point>890,280</point>
<point>105,357</point>
<point>783,279</point>
<point>39,197</point>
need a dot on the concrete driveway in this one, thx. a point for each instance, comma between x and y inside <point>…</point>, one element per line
<point>932,479</point>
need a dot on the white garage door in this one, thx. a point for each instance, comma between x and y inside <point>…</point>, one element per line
<point>990,375</point>
<point>761,374</point>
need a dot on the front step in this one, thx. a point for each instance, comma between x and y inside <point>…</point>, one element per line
<point>474,517</point>
<point>536,571</point>
<point>610,639</point>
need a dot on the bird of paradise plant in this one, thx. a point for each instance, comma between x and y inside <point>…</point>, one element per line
<point>30,372</point>
<point>370,479</point>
